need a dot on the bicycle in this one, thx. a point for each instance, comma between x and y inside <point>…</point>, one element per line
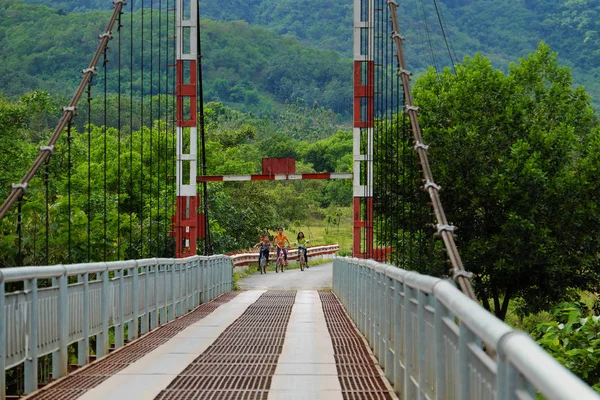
<point>263,264</point>
<point>280,263</point>
<point>301,259</point>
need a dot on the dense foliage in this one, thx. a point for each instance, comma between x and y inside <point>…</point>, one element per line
<point>130,205</point>
<point>516,155</point>
<point>502,29</point>
<point>572,336</point>
<point>46,49</point>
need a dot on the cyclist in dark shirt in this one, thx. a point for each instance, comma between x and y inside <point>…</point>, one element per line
<point>265,246</point>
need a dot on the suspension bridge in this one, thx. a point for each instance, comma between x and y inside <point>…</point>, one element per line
<point>124,307</point>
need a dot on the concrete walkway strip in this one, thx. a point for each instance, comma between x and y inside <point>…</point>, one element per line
<point>148,376</point>
<point>306,367</point>
<point>241,362</point>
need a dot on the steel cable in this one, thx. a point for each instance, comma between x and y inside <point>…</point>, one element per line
<point>159,132</point>
<point>120,25</point>
<point>444,230</point>
<point>18,190</point>
<point>131,254</point>
<point>142,94</point>
<point>69,210</point>
<point>104,132</point>
<point>151,192</point>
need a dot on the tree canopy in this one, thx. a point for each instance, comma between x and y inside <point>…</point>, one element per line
<point>515,155</point>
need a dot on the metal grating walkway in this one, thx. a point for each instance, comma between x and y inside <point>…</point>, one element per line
<point>241,362</point>
<point>357,368</point>
<point>275,345</point>
<point>78,383</point>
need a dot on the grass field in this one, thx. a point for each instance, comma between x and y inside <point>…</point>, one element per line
<point>320,233</point>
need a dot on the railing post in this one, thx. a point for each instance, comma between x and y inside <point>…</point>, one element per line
<point>154,318</point>
<point>389,331</point>
<point>31,340</point>
<point>198,281</point>
<point>408,343</point>
<point>463,361</point>
<point>421,341</point>
<point>120,327</point>
<point>146,319</point>
<point>173,314</point>
<point>102,338</point>
<point>83,345</point>
<point>60,358</point>
<point>440,351</point>
<point>3,323</point>
<point>132,331</point>
<point>163,316</point>
<point>399,361</point>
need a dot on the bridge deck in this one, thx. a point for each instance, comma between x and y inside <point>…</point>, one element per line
<point>245,345</point>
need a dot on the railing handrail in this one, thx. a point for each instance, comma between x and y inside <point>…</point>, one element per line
<point>139,294</point>
<point>395,308</point>
<point>16,274</point>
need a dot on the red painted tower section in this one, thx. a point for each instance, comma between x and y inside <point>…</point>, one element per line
<point>364,123</point>
<point>187,220</point>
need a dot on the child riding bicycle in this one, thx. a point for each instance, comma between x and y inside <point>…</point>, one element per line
<point>280,239</point>
<point>265,246</point>
<point>302,241</point>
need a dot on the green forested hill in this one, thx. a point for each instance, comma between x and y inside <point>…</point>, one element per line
<point>503,30</point>
<point>250,66</point>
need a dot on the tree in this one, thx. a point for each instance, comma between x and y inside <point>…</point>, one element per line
<point>514,154</point>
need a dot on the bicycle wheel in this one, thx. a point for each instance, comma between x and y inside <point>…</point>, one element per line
<point>263,265</point>
<point>301,261</point>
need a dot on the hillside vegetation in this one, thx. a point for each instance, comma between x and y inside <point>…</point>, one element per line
<point>249,66</point>
<point>503,30</point>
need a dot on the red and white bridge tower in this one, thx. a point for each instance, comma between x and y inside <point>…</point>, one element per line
<point>186,215</point>
<point>364,90</point>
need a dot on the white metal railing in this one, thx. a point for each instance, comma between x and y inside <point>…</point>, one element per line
<point>38,321</point>
<point>327,251</point>
<point>429,339</point>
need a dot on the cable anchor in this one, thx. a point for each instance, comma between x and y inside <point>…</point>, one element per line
<point>23,186</point>
<point>445,228</point>
<point>456,273</point>
<point>115,2</point>
<point>92,70</point>
<point>47,148</point>
<point>402,71</point>
<point>430,184</point>
<point>408,108</point>
<point>420,145</point>
<point>392,2</point>
<point>396,35</point>
<point>107,34</point>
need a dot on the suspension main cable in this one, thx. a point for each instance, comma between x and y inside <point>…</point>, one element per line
<point>18,190</point>
<point>445,231</point>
